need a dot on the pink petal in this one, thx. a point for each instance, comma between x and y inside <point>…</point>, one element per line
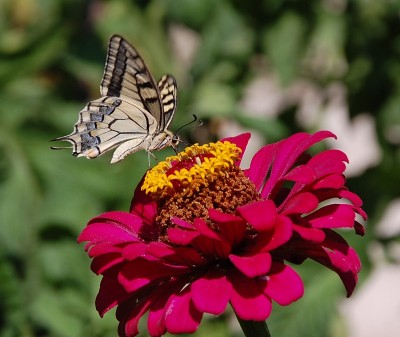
<point>346,268</point>
<point>310,234</point>
<point>247,299</point>
<point>156,323</point>
<point>331,181</point>
<point>329,161</point>
<point>134,250</point>
<point>103,248</point>
<point>231,227</point>
<point>181,237</point>
<point>284,285</point>
<point>359,228</point>
<point>260,214</point>
<point>282,233</point>
<point>240,141</point>
<point>177,256</point>
<point>252,266</point>
<point>129,314</point>
<point>112,227</point>
<point>260,166</point>
<point>182,223</point>
<point>141,272</point>
<point>301,203</point>
<point>342,193</point>
<point>332,216</point>
<point>210,243</point>
<point>103,263</point>
<point>110,294</point>
<point>181,316</point>
<point>159,300</point>
<point>336,242</point>
<point>302,174</point>
<point>143,205</point>
<point>267,241</point>
<point>354,198</point>
<point>275,160</point>
<point>202,227</point>
<point>211,292</point>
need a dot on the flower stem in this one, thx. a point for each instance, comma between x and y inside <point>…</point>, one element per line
<point>254,328</point>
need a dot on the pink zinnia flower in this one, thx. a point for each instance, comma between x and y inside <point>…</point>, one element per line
<point>202,233</point>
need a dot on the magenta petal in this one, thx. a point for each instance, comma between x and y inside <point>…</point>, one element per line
<point>310,234</point>
<point>329,161</point>
<point>232,227</point>
<point>260,214</point>
<point>211,292</point>
<point>103,263</point>
<point>332,216</point>
<point>346,268</point>
<point>133,250</point>
<point>202,227</point>
<point>176,256</point>
<point>141,272</point>
<point>143,205</point>
<point>301,203</point>
<point>284,285</point>
<point>359,228</point>
<point>110,294</point>
<point>129,314</point>
<point>252,266</point>
<point>282,233</point>
<point>247,299</point>
<point>159,299</point>
<point>105,248</point>
<point>112,227</point>
<point>331,181</point>
<point>210,243</point>
<point>240,141</point>
<point>182,223</point>
<point>181,237</point>
<point>156,323</point>
<point>276,160</point>
<point>302,174</point>
<point>260,165</point>
<point>181,316</point>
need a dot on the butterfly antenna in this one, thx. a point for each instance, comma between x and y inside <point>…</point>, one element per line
<point>191,122</point>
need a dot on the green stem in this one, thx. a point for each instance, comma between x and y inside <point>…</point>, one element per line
<point>254,328</point>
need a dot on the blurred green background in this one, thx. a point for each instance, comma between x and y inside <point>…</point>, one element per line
<point>261,65</point>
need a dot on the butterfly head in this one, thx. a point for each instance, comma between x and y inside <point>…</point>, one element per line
<point>164,139</point>
<point>175,141</point>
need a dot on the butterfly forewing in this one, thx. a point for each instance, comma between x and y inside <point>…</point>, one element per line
<point>126,74</point>
<point>133,113</point>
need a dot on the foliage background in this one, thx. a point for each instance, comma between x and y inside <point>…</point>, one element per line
<point>52,54</point>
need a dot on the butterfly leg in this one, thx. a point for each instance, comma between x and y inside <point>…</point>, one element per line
<point>149,153</point>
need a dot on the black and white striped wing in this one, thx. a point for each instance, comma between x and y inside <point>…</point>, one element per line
<point>107,123</point>
<point>132,111</point>
<point>168,90</point>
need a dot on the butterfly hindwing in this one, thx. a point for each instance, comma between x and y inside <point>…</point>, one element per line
<point>168,89</point>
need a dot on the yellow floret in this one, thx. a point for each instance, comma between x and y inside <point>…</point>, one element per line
<point>224,155</point>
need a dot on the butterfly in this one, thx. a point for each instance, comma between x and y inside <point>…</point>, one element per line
<point>133,112</point>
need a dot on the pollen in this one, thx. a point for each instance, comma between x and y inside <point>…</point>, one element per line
<point>194,168</point>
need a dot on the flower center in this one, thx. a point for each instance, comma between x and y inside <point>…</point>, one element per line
<point>193,168</point>
<point>197,179</point>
